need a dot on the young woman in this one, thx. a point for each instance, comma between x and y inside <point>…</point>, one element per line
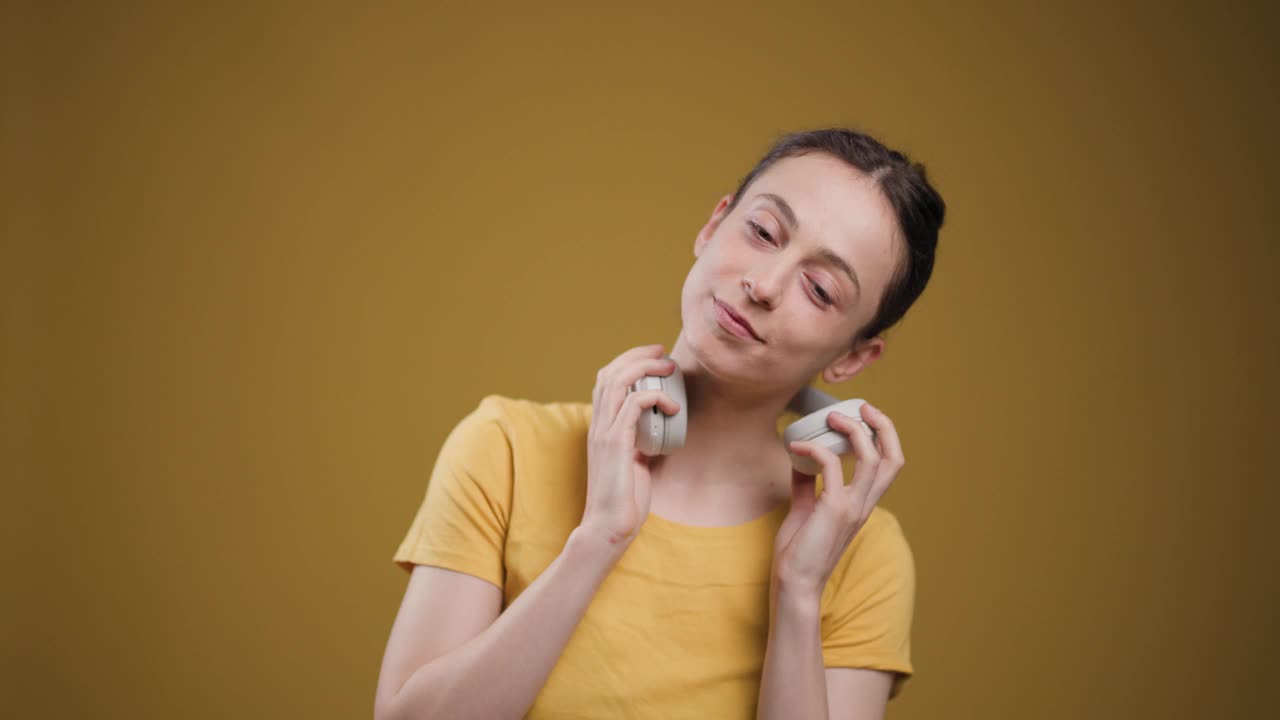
<point>557,572</point>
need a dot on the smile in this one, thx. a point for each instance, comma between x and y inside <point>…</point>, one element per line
<point>734,323</point>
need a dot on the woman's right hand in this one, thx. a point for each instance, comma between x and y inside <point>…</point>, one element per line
<point>618,489</point>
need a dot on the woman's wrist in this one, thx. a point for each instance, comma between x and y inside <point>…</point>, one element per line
<point>596,546</point>
<point>800,599</point>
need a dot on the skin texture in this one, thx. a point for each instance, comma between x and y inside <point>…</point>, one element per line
<point>768,264</point>
<point>451,636</point>
<point>733,466</point>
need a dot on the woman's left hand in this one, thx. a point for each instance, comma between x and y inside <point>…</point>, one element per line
<point>817,530</point>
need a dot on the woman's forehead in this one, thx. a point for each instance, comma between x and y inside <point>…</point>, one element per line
<point>833,203</point>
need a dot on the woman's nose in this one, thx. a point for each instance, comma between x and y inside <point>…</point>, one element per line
<point>764,286</point>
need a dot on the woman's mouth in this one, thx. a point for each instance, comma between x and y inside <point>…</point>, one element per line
<point>734,322</point>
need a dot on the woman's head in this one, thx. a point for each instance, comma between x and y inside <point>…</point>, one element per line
<point>825,245</point>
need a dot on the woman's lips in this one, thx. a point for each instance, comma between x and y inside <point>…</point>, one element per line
<point>734,323</point>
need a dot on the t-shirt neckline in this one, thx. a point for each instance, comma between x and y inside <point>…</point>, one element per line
<point>670,528</point>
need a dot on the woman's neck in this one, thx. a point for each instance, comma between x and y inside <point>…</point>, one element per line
<point>732,442</point>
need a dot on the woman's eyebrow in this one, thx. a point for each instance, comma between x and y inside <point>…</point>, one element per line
<point>832,257</point>
<point>787,213</point>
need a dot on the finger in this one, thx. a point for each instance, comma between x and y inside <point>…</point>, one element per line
<point>605,378</point>
<point>605,372</point>
<point>886,434</point>
<point>892,458</point>
<point>623,429</point>
<point>618,385</point>
<point>881,485</point>
<point>832,472</point>
<point>868,458</point>
<point>854,429</point>
<point>629,356</point>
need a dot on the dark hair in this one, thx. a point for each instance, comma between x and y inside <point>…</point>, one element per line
<point>919,209</point>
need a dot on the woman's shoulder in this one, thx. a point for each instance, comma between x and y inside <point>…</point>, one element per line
<point>523,410</point>
<point>879,552</point>
<point>884,530</point>
<point>883,521</point>
<point>524,421</point>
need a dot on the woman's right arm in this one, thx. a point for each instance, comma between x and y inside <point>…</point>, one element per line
<point>454,653</point>
<point>451,654</point>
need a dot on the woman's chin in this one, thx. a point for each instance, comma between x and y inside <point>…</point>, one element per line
<point>723,358</point>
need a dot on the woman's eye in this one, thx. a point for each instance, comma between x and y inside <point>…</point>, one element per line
<point>760,232</point>
<point>823,295</point>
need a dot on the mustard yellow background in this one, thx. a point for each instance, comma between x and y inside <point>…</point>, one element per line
<point>258,259</point>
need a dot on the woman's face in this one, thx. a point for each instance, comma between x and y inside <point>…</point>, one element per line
<point>804,257</point>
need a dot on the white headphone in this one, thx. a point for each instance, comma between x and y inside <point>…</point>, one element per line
<point>660,434</point>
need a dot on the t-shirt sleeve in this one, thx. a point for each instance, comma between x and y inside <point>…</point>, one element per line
<point>867,619</point>
<point>462,522</point>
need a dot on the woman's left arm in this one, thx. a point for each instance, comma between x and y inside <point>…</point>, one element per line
<point>811,540</point>
<point>796,685</point>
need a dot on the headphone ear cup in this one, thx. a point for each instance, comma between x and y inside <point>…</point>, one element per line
<point>813,427</point>
<point>651,427</point>
<point>675,427</point>
<point>833,441</point>
<point>656,432</point>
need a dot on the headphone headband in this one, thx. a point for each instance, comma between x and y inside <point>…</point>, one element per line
<point>810,400</point>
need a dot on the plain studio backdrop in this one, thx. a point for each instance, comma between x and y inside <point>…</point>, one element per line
<point>258,260</point>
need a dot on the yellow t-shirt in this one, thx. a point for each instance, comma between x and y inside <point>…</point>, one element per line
<point>679,627</point>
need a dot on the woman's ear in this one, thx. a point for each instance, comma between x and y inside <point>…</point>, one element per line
<point>704,235</point>
<point>853,361</point>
